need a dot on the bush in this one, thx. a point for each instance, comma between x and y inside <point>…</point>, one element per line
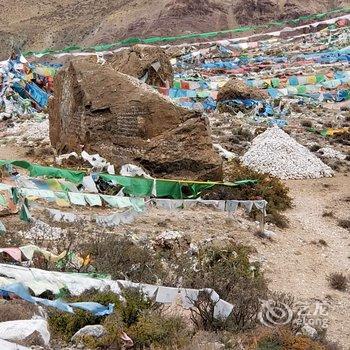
<point>202,314</point>
<point>282,339</point>
<point>315,148</point>
<point>154,329</point>
<point>328,214</point>
<point>273,190</point>
<point>338,281</point>
<point>344,224</point>
<point>136,302</point>
<point>279,220</point>
<point>64,325</point>
<point>121,258</point>
<point>229,272</point>
<point>323,243</point>
<point>104,298</point>
<point>306,123</point>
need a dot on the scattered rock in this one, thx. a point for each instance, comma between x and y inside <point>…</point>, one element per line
<point>170,239</point>
<point>95,331</point>
<point>194,249</point>
<point>267,234</point>
<point>206,341</point>
<point>224,152</point>
<point>30,131</point>
<point>237,89</point>
<point>41,230</point>
<point>331,153</point>
<point>309,331</point>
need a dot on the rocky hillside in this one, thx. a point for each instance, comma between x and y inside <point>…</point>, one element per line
<point>57,23</point>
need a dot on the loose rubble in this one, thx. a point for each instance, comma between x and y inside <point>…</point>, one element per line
<point>276,153</point>
<point>331,153</point>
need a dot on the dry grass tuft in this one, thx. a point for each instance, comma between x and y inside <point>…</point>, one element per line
<point>345,223</point>
<point>338,281</point>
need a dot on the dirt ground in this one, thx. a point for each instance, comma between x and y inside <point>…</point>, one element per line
<point>298,266</point>
<point>11,152</point>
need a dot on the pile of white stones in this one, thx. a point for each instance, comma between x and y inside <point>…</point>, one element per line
<point>275,152</point>
<point>43,231</point>
<point>331,153</point>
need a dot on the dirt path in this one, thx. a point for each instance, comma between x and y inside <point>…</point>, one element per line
<point>297,265</point>
<point>11,152</point>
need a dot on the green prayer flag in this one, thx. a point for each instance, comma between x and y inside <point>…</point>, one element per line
<point>2,228</point>
<point>24,213</point>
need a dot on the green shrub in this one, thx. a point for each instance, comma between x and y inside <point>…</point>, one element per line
<point>273,190</point>
<point>105,298</point>
<point>229,272</point>
<point>64,325</point>
<point>154,329</point>
<point>136,302</point>
<point>221,269</point>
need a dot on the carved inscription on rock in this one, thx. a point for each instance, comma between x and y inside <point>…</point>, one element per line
<point>131,121</point>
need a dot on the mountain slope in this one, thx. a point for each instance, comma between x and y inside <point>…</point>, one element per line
<point>58,23</point>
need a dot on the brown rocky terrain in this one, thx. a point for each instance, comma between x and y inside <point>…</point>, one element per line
<point>55,24</point>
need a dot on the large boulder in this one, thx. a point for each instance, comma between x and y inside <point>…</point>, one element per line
<point>146,62</point>
<point>183,152</point>
<point>236,89</point>
<point>6,345</point>
<point>27,332</point>
<point>104,111</point>
<point>18,310</point>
